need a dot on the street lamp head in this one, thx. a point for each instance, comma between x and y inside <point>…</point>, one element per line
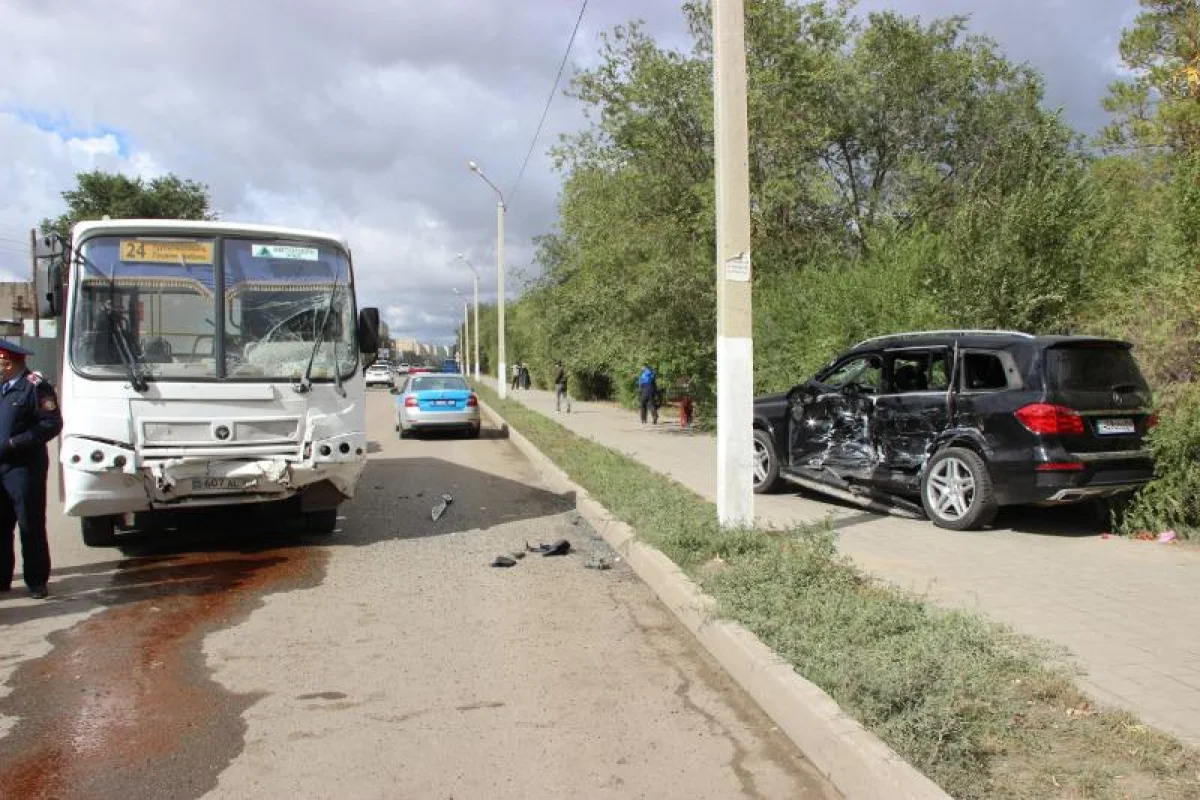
<point>471,165</point>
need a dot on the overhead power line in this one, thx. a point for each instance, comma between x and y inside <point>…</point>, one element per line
<point>549,100</point>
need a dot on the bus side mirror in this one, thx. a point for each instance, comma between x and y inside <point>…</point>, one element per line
<point>50,259</point>
<point>368,330</point>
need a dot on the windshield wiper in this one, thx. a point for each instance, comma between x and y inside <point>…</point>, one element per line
<point>128,359</point>
<point>305,384</point>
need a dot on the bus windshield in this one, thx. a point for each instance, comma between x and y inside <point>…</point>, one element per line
<point>166,304</point>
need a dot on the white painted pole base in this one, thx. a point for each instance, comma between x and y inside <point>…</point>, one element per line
<point>735,423</point>
<point>502,381</point>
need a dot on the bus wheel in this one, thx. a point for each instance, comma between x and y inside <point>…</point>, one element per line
<point>99,531</point>
<point>320,523</point>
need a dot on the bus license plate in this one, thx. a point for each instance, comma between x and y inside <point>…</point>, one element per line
<point>1114,427</point>
<point>205,485</point>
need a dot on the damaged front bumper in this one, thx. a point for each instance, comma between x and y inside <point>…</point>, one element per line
<point>103,478</point>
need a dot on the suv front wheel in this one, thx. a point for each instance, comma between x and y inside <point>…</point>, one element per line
<point>766,463</point>
<point>956,490</point>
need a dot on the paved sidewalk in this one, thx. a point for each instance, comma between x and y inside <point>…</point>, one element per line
<point>1126,610</point>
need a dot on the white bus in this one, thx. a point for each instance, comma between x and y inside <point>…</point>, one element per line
<point>209,363</point>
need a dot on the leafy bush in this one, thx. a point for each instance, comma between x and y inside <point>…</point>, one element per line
<point>1172,500</point>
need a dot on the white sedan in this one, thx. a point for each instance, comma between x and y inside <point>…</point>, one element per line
<point>379,375</point>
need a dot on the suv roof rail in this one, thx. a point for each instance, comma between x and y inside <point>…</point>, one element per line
<point>963,332</point>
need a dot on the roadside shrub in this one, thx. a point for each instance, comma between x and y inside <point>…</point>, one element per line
<point>1172,500</point>
<point>805,317</point>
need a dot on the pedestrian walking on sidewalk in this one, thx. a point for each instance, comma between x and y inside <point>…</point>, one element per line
<point>29,419</point>
<point>516,374</point>
<point>524,376</point>
<point>560,387</point>
<point>647,383</point>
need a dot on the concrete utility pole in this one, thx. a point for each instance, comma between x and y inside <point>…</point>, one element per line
<point>735,343</point>
<point>33,259</point>
<point>501,378</point>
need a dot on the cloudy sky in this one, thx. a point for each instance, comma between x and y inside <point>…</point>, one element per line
<point>360,117</point>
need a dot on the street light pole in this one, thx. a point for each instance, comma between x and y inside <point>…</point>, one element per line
<point>475,272</point>
<point>501,383</point>
<point>735,343</point>
<point>466,338</point>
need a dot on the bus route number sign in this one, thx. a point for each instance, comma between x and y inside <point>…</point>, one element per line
<point>165,252</point>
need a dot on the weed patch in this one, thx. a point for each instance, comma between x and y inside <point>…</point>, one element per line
<point>969,703</point>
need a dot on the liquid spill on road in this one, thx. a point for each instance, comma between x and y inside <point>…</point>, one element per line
<point>124,699</point>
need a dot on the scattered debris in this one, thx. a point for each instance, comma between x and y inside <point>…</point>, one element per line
<point>504,561</point>
<point>1167,536</point>
<point>518,554</point>
<point>576,520</point>
<point>597,561</point>
<point>559,547</point>
<point>440,507</point>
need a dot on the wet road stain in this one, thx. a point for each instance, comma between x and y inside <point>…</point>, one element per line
<point>123,699</point>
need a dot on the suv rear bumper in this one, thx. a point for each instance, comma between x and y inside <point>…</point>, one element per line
<point>1103,475</point>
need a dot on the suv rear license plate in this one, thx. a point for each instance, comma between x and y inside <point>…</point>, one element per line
<point>202,485</point>
<point>1115,427</point>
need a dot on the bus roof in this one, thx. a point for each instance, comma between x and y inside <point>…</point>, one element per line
<point>200,227</point>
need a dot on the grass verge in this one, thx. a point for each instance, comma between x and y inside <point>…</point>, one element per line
<point>972,705</point>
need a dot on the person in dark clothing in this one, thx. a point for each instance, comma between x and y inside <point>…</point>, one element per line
<point>29,419</point>
<point>560,387</point>
<point>524,375</point>
<point>647,384</point>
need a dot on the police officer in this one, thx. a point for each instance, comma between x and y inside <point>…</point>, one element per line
<point>29,418</point>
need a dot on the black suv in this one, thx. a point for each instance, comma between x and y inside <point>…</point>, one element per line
<point>966,421</point>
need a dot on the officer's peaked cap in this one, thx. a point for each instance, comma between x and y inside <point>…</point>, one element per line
<point>13,350</point>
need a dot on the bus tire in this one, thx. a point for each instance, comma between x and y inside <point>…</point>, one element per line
<point>99,531</point>
<point>321,523</point>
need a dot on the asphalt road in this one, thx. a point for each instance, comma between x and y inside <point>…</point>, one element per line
<point>241,659</point>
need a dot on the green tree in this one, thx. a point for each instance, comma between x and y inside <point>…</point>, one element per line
<point>97,194</point>
<point>1159,108</point>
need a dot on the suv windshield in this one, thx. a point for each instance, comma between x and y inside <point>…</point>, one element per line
<point>1093,367</point>
<point>155,300</point>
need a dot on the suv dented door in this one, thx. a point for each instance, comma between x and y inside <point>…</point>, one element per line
<point>913,411</point>
<point>831,423</point>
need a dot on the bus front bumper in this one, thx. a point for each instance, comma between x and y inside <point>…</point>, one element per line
<point>112,482</point>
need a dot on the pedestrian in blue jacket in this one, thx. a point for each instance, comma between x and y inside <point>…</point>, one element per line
<point>647,383</point>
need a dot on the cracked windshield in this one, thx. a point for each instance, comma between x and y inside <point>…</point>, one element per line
<point>148,307</point>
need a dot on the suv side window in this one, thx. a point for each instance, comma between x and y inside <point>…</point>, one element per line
<point>983,372</point>
<point>919,371</point>
<point>865,372</point>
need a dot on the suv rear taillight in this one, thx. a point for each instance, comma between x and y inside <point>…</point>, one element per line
<point>410,402</point>
<point>1050,420</point>
<point>472,401</point>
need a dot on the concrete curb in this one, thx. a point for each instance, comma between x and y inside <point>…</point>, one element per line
<point>856,761</point>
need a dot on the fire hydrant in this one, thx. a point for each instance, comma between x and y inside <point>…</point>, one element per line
<point>685,411</point>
